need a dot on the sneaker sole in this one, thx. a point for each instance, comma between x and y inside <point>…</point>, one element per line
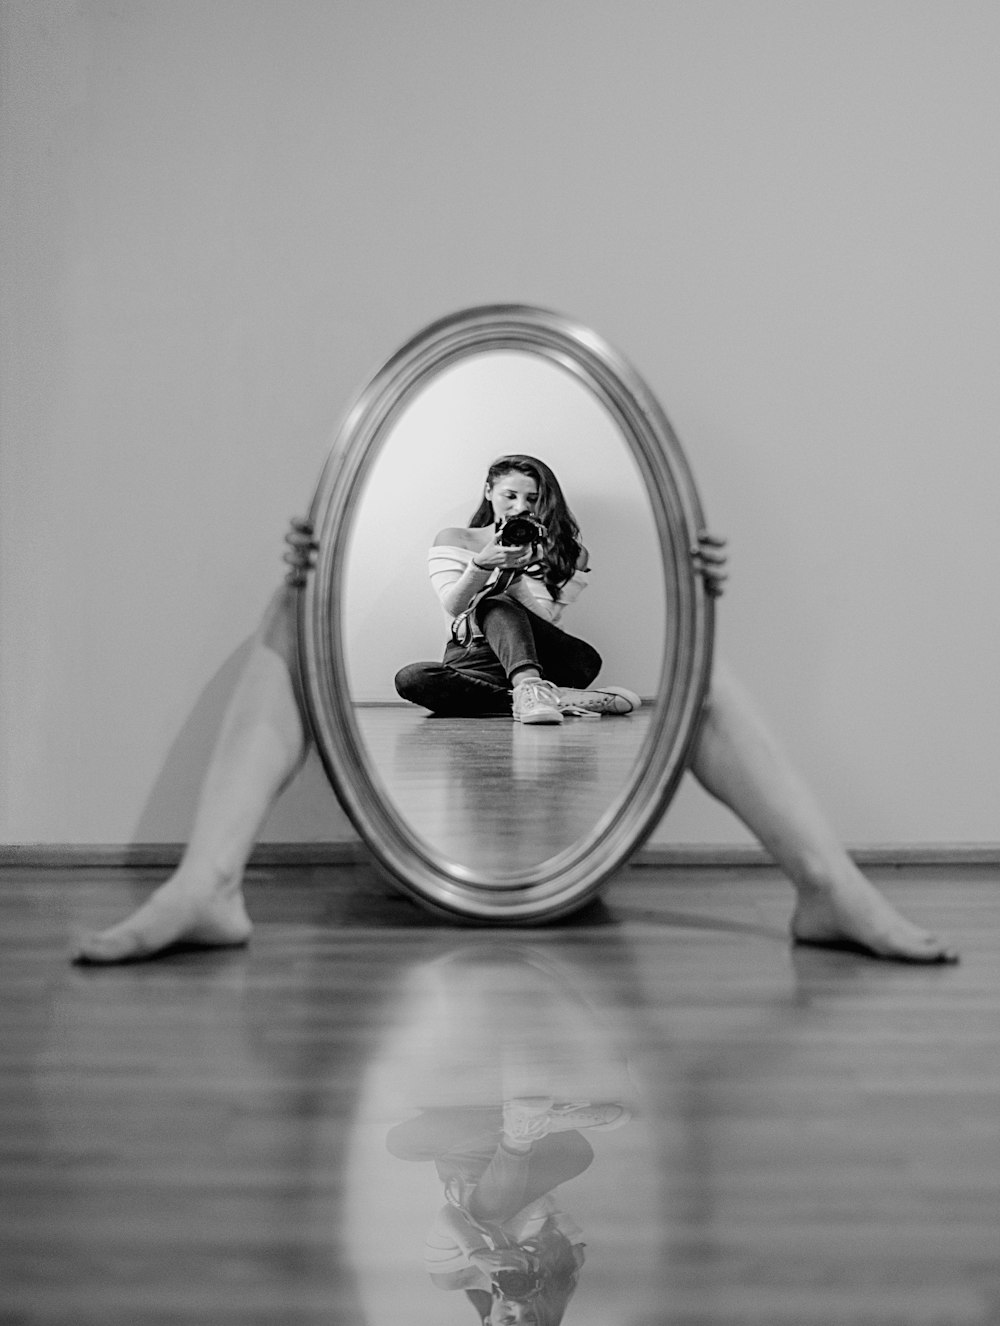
<point>614,692</point>
<point>629,697</point>
<point>564,1120</point>
<point>551,716</point>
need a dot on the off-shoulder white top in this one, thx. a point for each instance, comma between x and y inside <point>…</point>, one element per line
<point>446,563</point>
<point>444,1253</point>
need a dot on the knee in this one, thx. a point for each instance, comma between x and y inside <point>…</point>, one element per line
<point>725,705</point>
<point>722,693</point>
<point>498,605</point>
<point>413,682</point>
<point>279,630</point>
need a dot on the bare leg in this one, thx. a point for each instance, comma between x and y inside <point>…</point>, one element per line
<point>261,745</point>
<point>738,761</point>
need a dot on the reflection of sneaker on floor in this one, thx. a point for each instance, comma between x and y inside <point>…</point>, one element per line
<point>536,701</point>
<point>530,1118</point>
<point>526,1119</point>
<point>566,1115</point>
<point>601,700</point>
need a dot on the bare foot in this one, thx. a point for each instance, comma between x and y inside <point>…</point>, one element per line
<point>176,914</point>
<point>853,915</point>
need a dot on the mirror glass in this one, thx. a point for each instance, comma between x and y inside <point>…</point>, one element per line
<point>489,818</point>
<point>491,794</point>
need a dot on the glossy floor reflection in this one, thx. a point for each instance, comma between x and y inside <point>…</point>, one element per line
<point>497,795</point>
<point>673,1116</point>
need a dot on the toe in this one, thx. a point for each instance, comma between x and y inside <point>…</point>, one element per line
<point>921,947</point>
<point>105,947</point>
<point>90,948</point>
<point>937,950</point>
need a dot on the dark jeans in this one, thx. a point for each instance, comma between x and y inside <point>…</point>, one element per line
<point>465,1144</point>
<point>475,679</point>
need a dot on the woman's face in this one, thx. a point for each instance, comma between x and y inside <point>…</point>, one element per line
<point>504,1313</point>
<point>512,494</point>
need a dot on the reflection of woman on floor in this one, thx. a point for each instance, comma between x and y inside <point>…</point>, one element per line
<point>504,600</point>
<point>264,739</point>
<point>502,1236</point>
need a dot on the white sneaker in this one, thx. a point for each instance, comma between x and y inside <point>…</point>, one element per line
<point>567,1114</point>
<point>536,701</point>
<point>602,700</point>
<point>530,1118</point>
<point>526,1119</point>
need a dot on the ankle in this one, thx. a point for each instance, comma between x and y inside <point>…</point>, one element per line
<point>515,1147</point>
<point>208,879</point>
<point>521,675</point>
<point>816,878</point>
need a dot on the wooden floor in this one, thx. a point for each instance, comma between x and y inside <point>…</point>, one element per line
<point>815,1137</point>
<point>499,796</point>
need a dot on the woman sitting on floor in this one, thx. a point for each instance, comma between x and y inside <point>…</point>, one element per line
<point>503,582</point>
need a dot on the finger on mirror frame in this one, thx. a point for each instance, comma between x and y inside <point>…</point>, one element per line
<point>301,541</point>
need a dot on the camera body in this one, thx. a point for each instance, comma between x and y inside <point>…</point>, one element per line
<point>518,1286</point>
<point>520,531</point>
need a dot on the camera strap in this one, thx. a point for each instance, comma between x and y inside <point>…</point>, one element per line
<point>461,627</point>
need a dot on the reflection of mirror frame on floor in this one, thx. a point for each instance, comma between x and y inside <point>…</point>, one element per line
<point>566,880</point>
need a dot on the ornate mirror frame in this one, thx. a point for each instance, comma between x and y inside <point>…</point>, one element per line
<point>566,880</point>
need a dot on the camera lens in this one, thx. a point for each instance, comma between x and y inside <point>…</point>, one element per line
<point>515,1284</point>
<point>516,531</point>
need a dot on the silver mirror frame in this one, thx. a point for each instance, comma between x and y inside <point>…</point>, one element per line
<point>563,882</point>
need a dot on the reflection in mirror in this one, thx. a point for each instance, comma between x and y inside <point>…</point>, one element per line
<point>491,795</point>
<point>411,456</point>
<point>500,1163</point>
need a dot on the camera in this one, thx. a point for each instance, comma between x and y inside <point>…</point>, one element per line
<point>519,531</point>
<point>517,1285</point>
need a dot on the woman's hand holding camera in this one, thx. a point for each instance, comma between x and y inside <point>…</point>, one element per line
<point>490,1260</point>
<point>513,545</point>
<point>499,557</point>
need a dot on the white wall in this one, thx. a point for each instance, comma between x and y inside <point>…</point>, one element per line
<point>219,216</point>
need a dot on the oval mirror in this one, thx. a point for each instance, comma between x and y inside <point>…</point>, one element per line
<point>486,818</point>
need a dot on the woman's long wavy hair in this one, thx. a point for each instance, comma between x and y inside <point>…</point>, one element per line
<point>562,547</point>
